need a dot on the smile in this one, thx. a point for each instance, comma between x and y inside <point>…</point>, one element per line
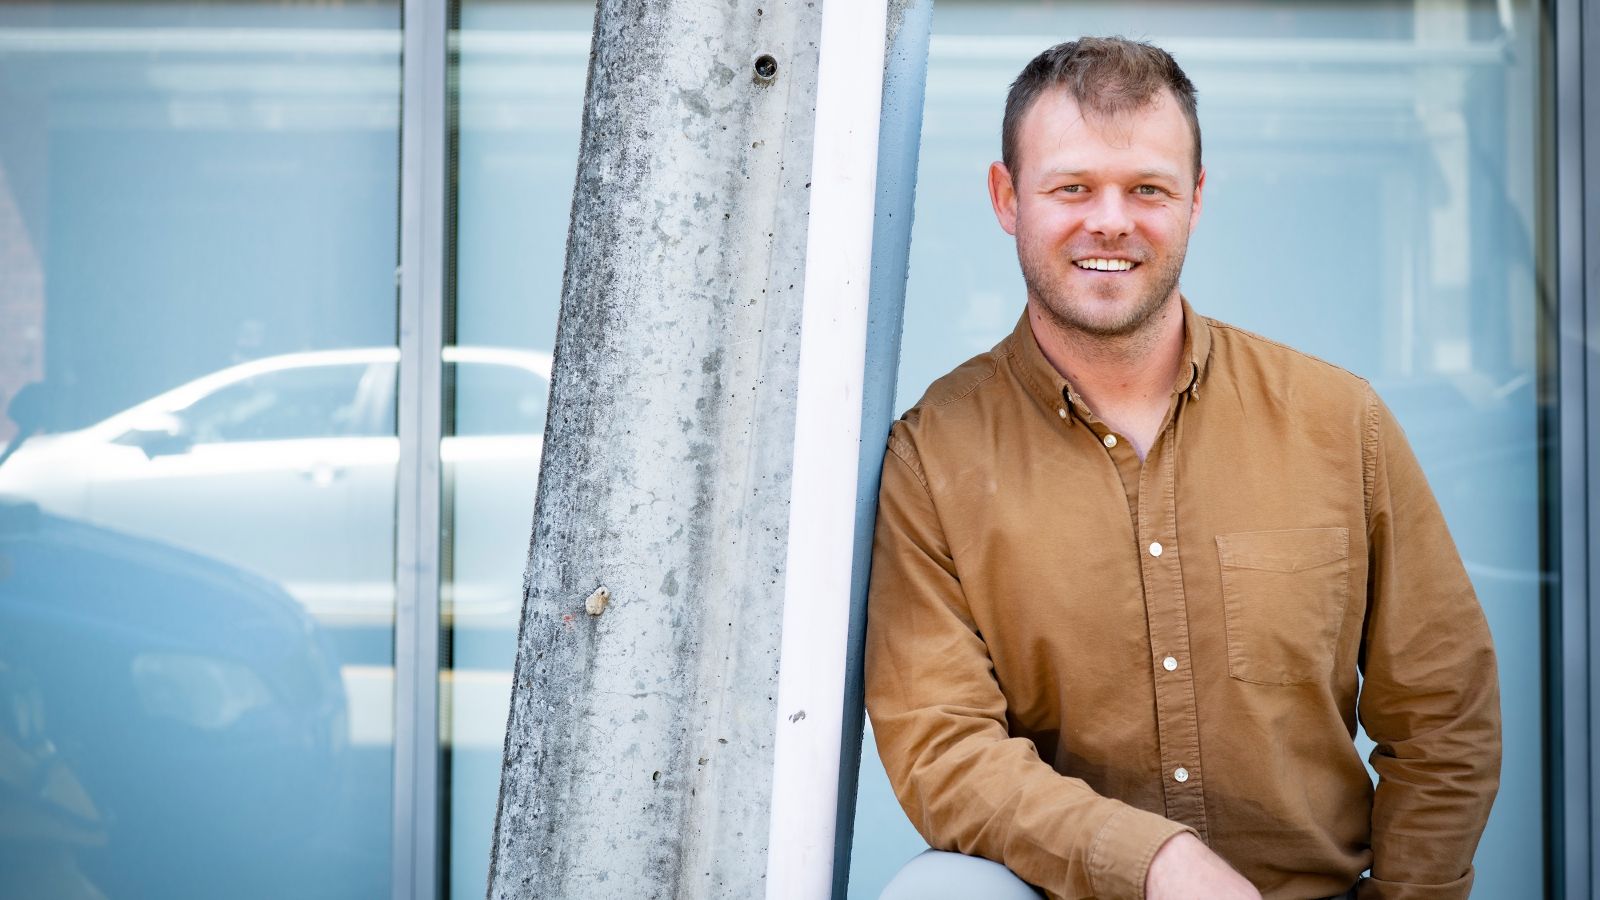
<point>1105,265</point>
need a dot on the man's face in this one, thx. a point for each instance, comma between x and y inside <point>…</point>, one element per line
<point>1101,210</point>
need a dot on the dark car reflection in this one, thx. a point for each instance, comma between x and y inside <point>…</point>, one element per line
<point>170,726</point>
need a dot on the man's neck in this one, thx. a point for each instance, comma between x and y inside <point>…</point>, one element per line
<point>1125,379</point>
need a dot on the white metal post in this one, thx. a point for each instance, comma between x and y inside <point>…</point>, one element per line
<point>827,448</point>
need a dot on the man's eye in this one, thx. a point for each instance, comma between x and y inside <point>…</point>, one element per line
<point>1072,188</point>
<point>1148,190</point>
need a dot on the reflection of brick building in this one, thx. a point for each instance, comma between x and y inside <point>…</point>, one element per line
<point>21,304</point>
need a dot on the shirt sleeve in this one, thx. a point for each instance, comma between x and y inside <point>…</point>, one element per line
<point>1430,697</point>
<point>940,721</point>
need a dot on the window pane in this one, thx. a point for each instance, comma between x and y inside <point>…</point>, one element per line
<point>504,395</point>
<point>198,207</point>
<point>522,67</point>
<point>1373,198</point>
<point>307,401</point>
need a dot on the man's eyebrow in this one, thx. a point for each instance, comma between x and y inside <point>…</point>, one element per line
<point>1141,175</point>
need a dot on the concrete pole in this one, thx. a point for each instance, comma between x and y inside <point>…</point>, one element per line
<point>639,752</point>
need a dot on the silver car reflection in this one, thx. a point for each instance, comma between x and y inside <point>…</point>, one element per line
<point>286,466</point>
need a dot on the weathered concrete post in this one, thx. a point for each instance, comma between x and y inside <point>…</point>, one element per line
<point>639,752</point>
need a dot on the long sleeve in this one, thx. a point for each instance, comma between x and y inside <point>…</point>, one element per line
<point>1430,698</point>
<point>940,720</point>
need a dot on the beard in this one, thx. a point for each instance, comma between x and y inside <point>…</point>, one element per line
<point>1100,312</point>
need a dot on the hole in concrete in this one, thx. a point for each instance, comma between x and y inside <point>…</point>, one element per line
<point>766,67</point>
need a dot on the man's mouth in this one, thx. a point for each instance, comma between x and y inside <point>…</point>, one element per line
<point>1104,264</point>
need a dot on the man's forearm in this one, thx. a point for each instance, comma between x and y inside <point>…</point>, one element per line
<point>1430,699</point>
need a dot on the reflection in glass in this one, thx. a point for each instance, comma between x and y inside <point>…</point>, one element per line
<point>197,317</point>
<point>1372,197</point>
<point>521,68</point>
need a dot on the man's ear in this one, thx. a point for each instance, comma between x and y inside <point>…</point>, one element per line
<point>1199,188</point>
<point>1003,196</point>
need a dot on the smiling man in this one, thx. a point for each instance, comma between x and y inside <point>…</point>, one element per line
<point>1138,574</point>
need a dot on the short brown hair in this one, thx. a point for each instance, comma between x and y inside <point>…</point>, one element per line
<point>1107,76</point>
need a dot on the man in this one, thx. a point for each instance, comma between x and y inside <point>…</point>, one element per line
<point>1138,573</point>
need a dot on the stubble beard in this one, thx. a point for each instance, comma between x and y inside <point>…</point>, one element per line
<point>1073,315</point>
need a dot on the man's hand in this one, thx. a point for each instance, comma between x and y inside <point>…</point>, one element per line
<point>1185,869</point>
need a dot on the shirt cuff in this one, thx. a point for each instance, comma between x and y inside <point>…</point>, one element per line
<point>1378,889</point>
<point>1119,857</point>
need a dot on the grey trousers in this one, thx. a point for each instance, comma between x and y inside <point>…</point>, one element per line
<point>937,875</point>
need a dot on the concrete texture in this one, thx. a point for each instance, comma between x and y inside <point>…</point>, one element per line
<point>638,755</point>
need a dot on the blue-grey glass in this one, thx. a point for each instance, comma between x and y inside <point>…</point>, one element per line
<point>1372,197</point>
<point>521,69</point>
<point>198,219</point>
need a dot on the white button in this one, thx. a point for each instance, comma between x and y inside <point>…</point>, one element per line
<point>1180,775</point>
<point>1062,410</point>
<point>1170,664</point>
<point>1155,548</point>
<point>1109,440</point>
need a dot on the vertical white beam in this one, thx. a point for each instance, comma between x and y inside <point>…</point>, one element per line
<point>833,333</point>
<point>905,74</point>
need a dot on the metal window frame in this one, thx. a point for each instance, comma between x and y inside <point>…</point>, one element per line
<point>422,275</point>
<point>1574,690</point>
<point>1581,841</point>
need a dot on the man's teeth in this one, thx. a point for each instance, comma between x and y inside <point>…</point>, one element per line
<point>1105,265</point>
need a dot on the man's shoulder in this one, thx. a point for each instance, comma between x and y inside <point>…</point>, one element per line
<point>954,403</point>
<point>1271,368</point>
<point>962,382</point>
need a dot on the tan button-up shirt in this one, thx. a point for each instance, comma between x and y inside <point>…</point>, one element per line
<point>1073,656</point>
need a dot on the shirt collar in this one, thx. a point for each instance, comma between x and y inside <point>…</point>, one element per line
<point>1046,384</point>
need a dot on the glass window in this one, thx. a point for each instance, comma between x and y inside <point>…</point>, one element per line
<point>197,638</point>
<point>500,397</point>
<point>302,402</point>
<point>1373,197</point>
<point>521,70</point>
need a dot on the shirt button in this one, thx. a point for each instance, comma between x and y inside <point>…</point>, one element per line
<point>1170,664</point>
<point>1109,440</point>
<point>1180,775</point>
<point>1062,411</point>
<point>1155,548</point>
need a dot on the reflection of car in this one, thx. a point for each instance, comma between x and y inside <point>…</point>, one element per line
<point>287,466</point>
<point>172,727</point>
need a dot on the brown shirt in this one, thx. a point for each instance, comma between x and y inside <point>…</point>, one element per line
<point>1073,655</point>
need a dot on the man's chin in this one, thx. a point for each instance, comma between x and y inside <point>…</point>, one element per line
<point>1101,318</point>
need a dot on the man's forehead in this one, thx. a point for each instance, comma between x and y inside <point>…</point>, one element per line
<point>1137,173</point>
<point>1064,112</point>
<point>1057,123</point>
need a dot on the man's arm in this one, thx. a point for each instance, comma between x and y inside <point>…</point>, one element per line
<point>940,722</point>
<point>1430,698</point>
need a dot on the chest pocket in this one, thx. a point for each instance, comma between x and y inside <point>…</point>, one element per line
<point>1283,595</point>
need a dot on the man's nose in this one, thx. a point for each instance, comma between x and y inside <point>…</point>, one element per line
<point>1109,215</point>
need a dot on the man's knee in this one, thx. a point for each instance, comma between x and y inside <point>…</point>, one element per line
<point>937,875</point>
